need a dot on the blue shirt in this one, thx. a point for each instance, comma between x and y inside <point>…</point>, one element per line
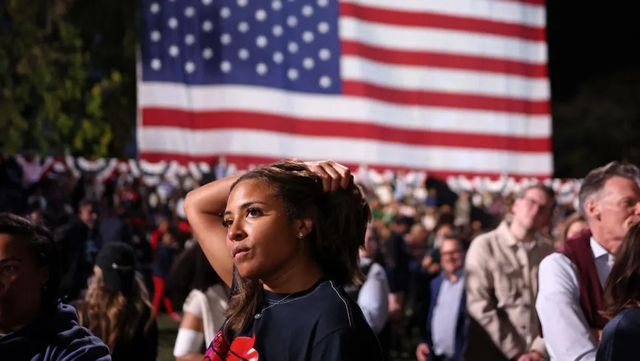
<point>445,317</point>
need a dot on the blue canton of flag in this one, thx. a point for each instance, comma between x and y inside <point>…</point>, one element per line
<point>291,45</point>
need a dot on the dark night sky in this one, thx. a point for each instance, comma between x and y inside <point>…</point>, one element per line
<point>593,43</point>
<point>588,39</point>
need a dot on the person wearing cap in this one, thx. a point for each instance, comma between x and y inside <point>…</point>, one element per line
<point>116,306</point>
<point>33,324</point>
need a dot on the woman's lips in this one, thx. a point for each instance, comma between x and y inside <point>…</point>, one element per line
<point>239,252</point>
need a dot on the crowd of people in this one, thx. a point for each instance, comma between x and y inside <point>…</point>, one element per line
<point>303,261</point>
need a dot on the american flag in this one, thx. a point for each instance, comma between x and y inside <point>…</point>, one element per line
<point>451,87</point>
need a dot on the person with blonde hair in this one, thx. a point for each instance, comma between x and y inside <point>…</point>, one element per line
<point>116,307</point>
<point>286,237</point>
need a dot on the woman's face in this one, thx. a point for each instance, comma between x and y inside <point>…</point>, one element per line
<point>21,282</point>
<point>262,240</point>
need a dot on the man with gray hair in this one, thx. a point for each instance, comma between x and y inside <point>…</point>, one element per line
<point>572,280</point>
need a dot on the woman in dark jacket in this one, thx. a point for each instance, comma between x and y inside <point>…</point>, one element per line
<point>33,324</point>
<point>622,303</point>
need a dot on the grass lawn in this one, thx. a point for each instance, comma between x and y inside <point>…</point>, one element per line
<point>167,330</point>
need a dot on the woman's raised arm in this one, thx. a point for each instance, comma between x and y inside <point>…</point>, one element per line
<point>204,207</point>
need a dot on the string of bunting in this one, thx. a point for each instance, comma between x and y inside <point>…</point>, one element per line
<point>153,173</point>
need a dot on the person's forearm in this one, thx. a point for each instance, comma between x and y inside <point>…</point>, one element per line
<point>203,207</point>
<point>210,198</point>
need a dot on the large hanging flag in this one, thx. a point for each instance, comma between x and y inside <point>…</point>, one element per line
<point>450,87</point>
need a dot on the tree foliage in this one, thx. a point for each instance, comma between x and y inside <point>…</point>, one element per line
<point>67,77</point>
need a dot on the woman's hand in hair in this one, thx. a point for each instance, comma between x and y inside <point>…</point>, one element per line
<point>334,175</point>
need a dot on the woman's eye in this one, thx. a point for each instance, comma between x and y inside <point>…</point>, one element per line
<point>253,212</point>
<point>227,223</point>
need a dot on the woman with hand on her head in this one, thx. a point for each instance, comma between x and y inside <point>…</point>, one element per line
<point>621,334</point>
<point>285,237</point>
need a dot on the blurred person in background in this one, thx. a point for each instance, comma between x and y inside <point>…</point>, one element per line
<point>204,307</point>
<point>417,296</point>
<point>622,303</point>
<point>501,275</point>
<point>78,241</point>
<point>571,281</point>
<point>162,263</point>
<point>574,225</point>
<point>446,324</point>
<point>33,324</point>
<point>396,261</point>
<point>164,223</point>
<point>116,307</point>
<point>373,295</point>
<point>431,260</point>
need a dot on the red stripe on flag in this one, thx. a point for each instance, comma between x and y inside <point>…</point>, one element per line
<point>441,21</point>
<point>453,100</point>
<point>245,161</point>
<point>443,60</point>
<point>337,128</point>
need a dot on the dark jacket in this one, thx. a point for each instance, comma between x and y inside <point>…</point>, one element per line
<point>73,242</point>
<point>54,336</point>
<point>620,337</point>
<point>461,325</point>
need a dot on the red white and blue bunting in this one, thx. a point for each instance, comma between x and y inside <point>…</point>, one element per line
<point>153,173</point>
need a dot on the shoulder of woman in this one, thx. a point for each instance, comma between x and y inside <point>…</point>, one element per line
<point>627,321</point>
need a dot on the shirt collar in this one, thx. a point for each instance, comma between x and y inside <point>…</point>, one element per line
<point>511,240</point>
<point>459,275</point>
<point>597,249</point>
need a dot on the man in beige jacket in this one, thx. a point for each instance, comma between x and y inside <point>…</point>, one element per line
<point>501,278</point>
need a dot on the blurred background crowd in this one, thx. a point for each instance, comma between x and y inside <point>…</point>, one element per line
<point>412,215</point>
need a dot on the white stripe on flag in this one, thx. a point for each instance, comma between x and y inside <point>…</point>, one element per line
<point>278,145</point>
<point>442,41</point>
<point>503,11</point>
<point>444,80</point>
<point>338,107</point>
